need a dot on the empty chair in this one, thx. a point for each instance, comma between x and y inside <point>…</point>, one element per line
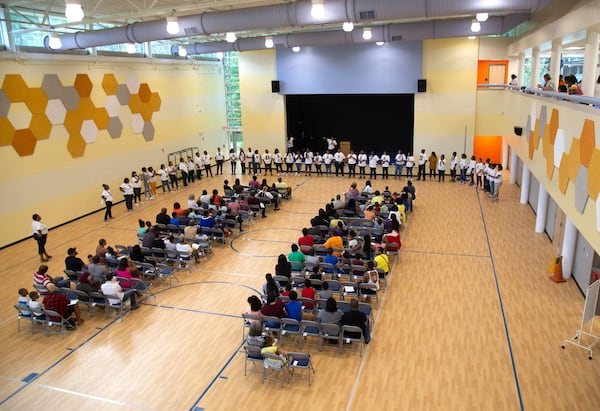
<point>144,287</point>
<point>297,282</point>
<point>348,289</point>
<point>351,333</point>
<point>330,332</point>
<point>123,250</point>
<point>327,268</point>
<point>320,250</point>
<point>296,267</point>
<point>84,298</point>
<point>231,224</point>
<point>164,271</point>
<point>289,326</point>
<point>368,290</point>
<point>282,280</point>
<point>309,329</point>
<point>300,361</point>
<point>158,255</point>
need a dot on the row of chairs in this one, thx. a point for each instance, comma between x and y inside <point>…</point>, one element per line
<point>285,367</point>
<point>350,288</point>
<point>49,319</point>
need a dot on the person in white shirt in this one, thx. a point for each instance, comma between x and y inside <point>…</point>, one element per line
<point>108,201</point>
<point>136,183</point>
<point>256,163</point>
<point>368,189</point>
<point>441,168</point>
<point>298,161</point>
<point>233,160</point>
<point>328,159</point>
<point>172,170</point>
<point>127,190</point>
<point>250,160</point>
<point>242,158</point>
<point>362,164</point>
<point>373,160</point>
<point>164,178</point>
<point>191,167</point>
<point>463,168</point>
<point>410,163</point>
<point>400,161</point>
<point>497,179</point>
<point>385,165</point>
<point>290,144</point>
<point>268,160</point>
<point>453,165</point>
<point>331,143</point>
<point>339,158</point>
<point>308,161</point>
<point>422,161</point>
<point>479,174</point>
<point>219,158</point>
<point>278,160</point>
<point>198,165</point>
<point>40,234</point>
<point>183,169</point>
<point>207,166</point>
<point>113,289</point>
<point>471,170</point>
<point>318,163</point>
<point>289,163</point>
<point>352,159</point>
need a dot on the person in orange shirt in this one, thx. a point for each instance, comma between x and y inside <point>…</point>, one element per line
<point>335,242</point>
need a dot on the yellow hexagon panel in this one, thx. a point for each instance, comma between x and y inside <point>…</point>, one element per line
<point>146,112</point>
<point>15,88</point>
<point>563,173</point>
<point>86,108</point>
<point>24,142</point>
<point>155,102</point>
<point>135,103</point>
<point>594,174</point>
<point>101,118</point>
<point>40,126</point>
<point>145,92</point>
<point>587,142</point>
<point>83,85</point>
<point>73,121</point>
<point>7,132</point>
<point>76,145</point>
<point>574,159</point>
<point>36,100</point>
<point>110,84</point>
<point>553,125</point>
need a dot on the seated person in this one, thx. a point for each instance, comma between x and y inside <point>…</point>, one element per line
<point>35,305</point>
<point>101,248</point>
<point>311,260</point>
<point>253,308</point>
<point>306,239</point>
<point>294,307</point>
<point>353,244</point>
<point>331,259</point>
<point>190,231</point>
<point>207,220</point>
<point>255,335</point>
<point>23,301</point>
<point>204,199</point>
<point>116,295</point>
<point>41,277</point>
<point>325,292</point>
<point>283,188</point>
<point>87,284</point>
<point>186,252</point>
<point>123,272</point>
<point>296,255</point>
<point>357,319</point>
<point>382,260</point>
<point>98,270</point>
<point>60,303</point>
<point>371,276</point>
<point>308,292</point>
<point>316,274</point>
<point>283,266</point>
<point>254,183</point>
<point>163,217</point>
<point>335,242</point>
<point>271,286</point>
<point>72,262</point>
<point>274,308</point>
<point>174,219</point>
<point>330,314</point>
<point>287,290</point>
<point>177,209</point>
<point>338,203</point>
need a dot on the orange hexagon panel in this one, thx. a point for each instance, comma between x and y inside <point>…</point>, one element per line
<point>86,108</point>
<point>110,84</point>
<point>548,150</point>
<point>36,100</point>
<point>145,92</point>
<point>40,126</point>
<point>83,85</point>
<point>101,118</point>
<point>7,132</point>
<point>574,159</point>
<point>24,142</point>
<point>15,88</point>
<point>594,174</point>
<point>135,103</point>
<point>553,125</point>
<point>587,142</point>
<point>534,138</point>
<point>76,145</point>
<point>155,102</point>
<point>73,121</point>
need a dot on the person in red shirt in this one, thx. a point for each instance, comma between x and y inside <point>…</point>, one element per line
<point>308,292</point>
<point>61,304</point>
<point>306,239</point>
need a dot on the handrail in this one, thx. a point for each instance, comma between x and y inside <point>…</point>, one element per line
<point>575,98</point>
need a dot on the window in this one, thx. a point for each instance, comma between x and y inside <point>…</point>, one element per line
<point>232,100</point>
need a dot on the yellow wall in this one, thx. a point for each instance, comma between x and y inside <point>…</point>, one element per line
<point>263,112</point>
<point>59,187</point>
<point>441,114</point>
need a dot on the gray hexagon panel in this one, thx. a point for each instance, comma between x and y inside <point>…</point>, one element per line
<point>4,104</point>
<point>148,131</point>
<point>543,121</point>
<point>70,98</point>
<point>52,86</point>
<point>115,127</point>
<point>123,94</point>
<point>528,130</point>
<point>581,189</point>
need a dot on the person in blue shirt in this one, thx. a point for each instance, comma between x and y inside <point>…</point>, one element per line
<point>294,307</point>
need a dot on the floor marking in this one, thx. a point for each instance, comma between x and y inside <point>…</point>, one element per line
<point>444,253</point>
<point>512,357</point>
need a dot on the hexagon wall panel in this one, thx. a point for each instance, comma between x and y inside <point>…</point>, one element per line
<point>155,102</point>
<point>52,86</point>
<point>148,131</point>
<point>581,185</point>
<point>587,142</point>
<point>19,115</point>
<point>542,120</point>
<point>86,108</point>
<point>101,118</point>
<point>73,121</point>
<point>36,100</point>
<point>146,112</point>
<point>533,115</point>
<point>137,123</point>
<point>133,84</point>
<point>553,125</point>
<point>563,173</point>
<point>574,159</point>
<point>110,84</point>
<point>548,151</point>
<point>76,145</point>
<point>559,146</point>
<point>40,126</point>
<point>24,142</point>
<point>7,132</point>
<point>115,127</point>
<point>4,104</point>
<point>123,94</point>
<point>89,131</point>
<point>145,92</point>
<point>69,98</point>
<point>534,139</point>
<point>594,172</point>
<point>528,131</point>
<point>135,103</point>
<point>112,105</point>
<point>598,213</point>
<point>56,111</point>
<point>15,88</point>
<point>83,85</point>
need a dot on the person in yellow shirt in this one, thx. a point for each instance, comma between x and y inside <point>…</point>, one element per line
<point>382,260</point>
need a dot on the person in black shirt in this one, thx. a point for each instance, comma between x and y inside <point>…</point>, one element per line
<point>163,217</point>
<point>357,319</point>
<point>72,262</point>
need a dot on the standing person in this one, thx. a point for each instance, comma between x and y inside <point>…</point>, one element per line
<point>40,234</point>
<point>152,175</point>
<point>331,143</point>
<point>146,180</point>
<point>373,159</point>
<point>548,83</point>
<point>385,165</point>
<point>164,178</point>
<point>256,162</point>
<point>513,80</point>
<point>136,183</point>
<point>127,190</point>
<point>497,178</point>
<point>410,163</point>
<point>453,165</point>
<point>328,159</point>
<point>219,158</point>
<point>289,163</point>
<point>463,168</point>
<point>268,160</point>
<point>206,161</point>
<point>433,160</point>
<point>352,159</point>
<point>250,159</point>
<point>191,166</point>
<point>441,166</point>
<point>290,144</point>
<point>108,201</point>
<point>198,165</point>
<point>400,162</point>
<point>319,163</point>
<point>308,161</point>
<point>233,161</point>
<point>184,171</point>
<point>471,170</point>
<point>242,158</point>
<point>298,161</point>
<point>172,170</point>
<point>278,160</point>
<point>479,173</point>
<point>362,164</point>
<point>339,158</point>
<point>422,161</point>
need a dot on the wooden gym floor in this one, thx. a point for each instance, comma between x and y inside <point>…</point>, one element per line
<point>469,321</point>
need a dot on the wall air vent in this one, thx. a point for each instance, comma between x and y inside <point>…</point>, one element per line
<point>367,15</point>
<point>193,31</point>
<point>396,38</point>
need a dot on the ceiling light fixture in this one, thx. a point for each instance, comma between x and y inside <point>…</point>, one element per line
<point>380,43</point>
<point>296,49</point>
<point>348,26</point>
<point>471,37</point>
<point>318,9</point>
<point>172,25</point>
<point>269,42</point>
<point>481,16</point>
<point>73,10</point>
<point>367,35</point>
<point>130,47</point>
<point>230,37</point>
<point>475,26</point>
<point>54,41</point>
<point>182,51</point>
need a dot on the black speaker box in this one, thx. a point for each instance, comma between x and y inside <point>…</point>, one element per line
<point>518,130</point>
<point>422,85</point>
<point>275,86</point>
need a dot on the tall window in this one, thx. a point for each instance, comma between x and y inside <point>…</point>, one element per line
<point>232,99</point>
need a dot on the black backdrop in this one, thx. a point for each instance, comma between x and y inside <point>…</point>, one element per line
<point>369,121</point>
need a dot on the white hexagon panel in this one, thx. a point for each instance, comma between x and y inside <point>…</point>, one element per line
<point>559,147</point>
<point>137,123</point>
<point>112,106</point>
<point>89,131</point>
<point>533,116</point>
<point>133,84</point>
<point>19,116</point>
<point>56,111</point>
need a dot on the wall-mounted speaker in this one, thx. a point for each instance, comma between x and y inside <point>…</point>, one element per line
<point>518,130</point>
<point>421,85</point>
<point>275,86</point>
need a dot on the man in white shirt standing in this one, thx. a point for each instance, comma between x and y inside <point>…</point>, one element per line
<point>328,159</point>
<point>198,165</point>
<point>422,161</point>
<point>127,190</point>
<point>184,171</point>
<point>373,160</point>
<point>339,157</point>
<point>267,160</point>
<point>362,164</point>
<point>453,165</point>
<point>352,160</point>
<point>385,165</point>
<point>400,161</point>
<point>219,158</point>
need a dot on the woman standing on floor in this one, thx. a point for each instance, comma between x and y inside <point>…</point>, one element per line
<point>40,234</point>
<point>107,198</point>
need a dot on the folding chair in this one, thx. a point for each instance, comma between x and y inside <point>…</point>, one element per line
<point>83,298</point>
<point>309,329</point>
<point>296,267</point>
<point>330,332</point>
<point>282,280</point>
<point>164,271</point>
<point>26,314</point>
<point>254,356</point>
<point>272,324</point>
<point>144,287</point>
<point>98,300</point>
<point>297,282</point>
<point>118,306</point>
<point>53,318</point>
<point>368,310</point>
<point>334,286</point>
<point>367,291</point>
<point>306,249</point>
<point>276,364</point>
<point>123,250</point>
<point>290,326</point>
<point>300,361</point>
<point>247,319</point>
<point>344,306</point>
<point>351,333</point>
<point>348,288</point>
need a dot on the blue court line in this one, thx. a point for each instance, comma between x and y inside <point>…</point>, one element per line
<point>209,386</point>
<point>512,357</point>
<point>444,253</point>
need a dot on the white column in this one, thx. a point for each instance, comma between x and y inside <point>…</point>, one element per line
<point>542,210</point>
<point>590,61</point>
<point>521,72</point>
<point>525,184</point>
<point>504,154</point>
<point>513,167</point>
<point>568,248</point>
<point>555,61</point>
<point>535,68</point>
